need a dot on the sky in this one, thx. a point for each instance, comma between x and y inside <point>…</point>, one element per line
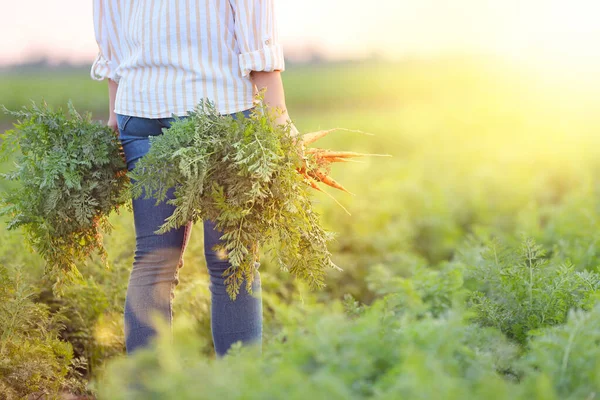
<point>559,31</point>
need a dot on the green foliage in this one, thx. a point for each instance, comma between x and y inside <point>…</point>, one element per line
<point>380,353</point>
<point>32,357</point>
<point>481,150</point>
<point>520,291</point>
<point>425,291</point>
<point>71,176</point>
<point>568,356</point>
<point>93,326</point>
<point>241,173</point>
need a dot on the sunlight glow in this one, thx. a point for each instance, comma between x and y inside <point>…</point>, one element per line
<point>558,30</point>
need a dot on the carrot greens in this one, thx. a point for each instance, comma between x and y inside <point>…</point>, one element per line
<point>242,174</point>
<point>70,175</point>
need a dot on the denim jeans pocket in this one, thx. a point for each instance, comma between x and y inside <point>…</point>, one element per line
<point>122,121</point>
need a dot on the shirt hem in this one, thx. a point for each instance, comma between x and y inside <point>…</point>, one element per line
<point>169,114</point>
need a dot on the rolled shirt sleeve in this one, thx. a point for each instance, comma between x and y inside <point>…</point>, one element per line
<point>103,68</point>
<point>257,36</point>
<point>106,63</point>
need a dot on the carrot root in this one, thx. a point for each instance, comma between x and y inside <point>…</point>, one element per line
<point>339,204</point>
<point>339,154</point>
<point>350,154</point>
<point>314,185</point>
<point>341,159</point>
<point>328,180</point>
<point>308,138</point>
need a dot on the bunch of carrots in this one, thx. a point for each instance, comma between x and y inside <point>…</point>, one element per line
<point>316,163</point>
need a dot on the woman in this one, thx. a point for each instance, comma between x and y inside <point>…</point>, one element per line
<point>161,58</point>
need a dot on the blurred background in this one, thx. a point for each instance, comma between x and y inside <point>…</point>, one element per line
<point>489,108</point>
<point>559,31</point>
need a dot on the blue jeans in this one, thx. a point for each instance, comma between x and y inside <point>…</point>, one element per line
<point>158,259</point>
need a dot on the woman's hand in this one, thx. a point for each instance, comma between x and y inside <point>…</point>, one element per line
<point>297,139</point>
<point>112,122</point>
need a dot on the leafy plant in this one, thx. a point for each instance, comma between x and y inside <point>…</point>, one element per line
<point>92,325</point>
<point>522,291</point>
<point>32,357</point>
<point>242,174</point>
<point>567,356</point>
<point>377,353</point>
<point>71,175</point>
<point>426,291</point>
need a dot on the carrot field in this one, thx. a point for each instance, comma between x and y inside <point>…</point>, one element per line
<point>471,258</point>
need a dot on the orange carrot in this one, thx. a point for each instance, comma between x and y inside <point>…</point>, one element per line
<point>312,183</point>
<point>341,159</point>
<point>308,138</point>
<point>328,180</point>
<point>349,154</point>
<point>323,159</point>
<point>314,186</point>
<point>318,152</point>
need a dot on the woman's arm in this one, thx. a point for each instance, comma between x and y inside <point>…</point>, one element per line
<point>274,93</point>
<point>112,94</point>
<point>106,63</point>
<point>275,98</point>
<point>261,55</point>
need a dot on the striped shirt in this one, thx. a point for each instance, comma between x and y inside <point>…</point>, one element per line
<point>167,55</point>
